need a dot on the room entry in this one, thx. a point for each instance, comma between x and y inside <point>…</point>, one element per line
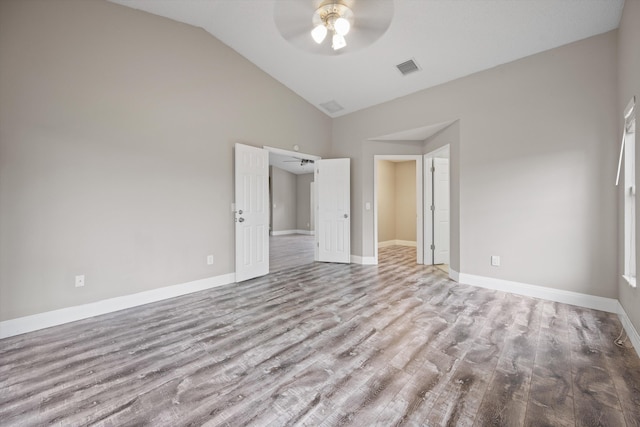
<point>251,210</point>
<point>398,203</point>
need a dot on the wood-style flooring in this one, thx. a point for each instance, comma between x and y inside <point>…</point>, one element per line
<point>328,345</point>
<point>290,251</point>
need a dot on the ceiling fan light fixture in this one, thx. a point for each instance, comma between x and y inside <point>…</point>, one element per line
<point>335,17</point>
<point>319,33</point>
<point>338,42</point>
<point>342,26</point>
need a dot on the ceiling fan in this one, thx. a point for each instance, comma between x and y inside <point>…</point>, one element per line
<point>349,24</point>
<point>302,161</point>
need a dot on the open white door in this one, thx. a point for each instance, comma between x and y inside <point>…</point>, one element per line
<point>333,231</point>
<point>252,212</point>
<point>441,211</point>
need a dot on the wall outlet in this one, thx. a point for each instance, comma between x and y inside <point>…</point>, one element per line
<point>79,281</point>
<point>210,260</point>
<point>495,260</point>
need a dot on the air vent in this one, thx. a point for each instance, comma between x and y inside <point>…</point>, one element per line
<point>408,67</point>
<point>332,107</point>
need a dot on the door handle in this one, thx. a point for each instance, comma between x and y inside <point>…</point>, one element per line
<point>240,219</point>
<point>346,216</point>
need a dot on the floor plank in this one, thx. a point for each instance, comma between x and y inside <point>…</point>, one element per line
<point>328,344</point>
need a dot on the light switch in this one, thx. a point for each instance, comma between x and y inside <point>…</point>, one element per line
<point>367,206</point>
<point>495,260</point>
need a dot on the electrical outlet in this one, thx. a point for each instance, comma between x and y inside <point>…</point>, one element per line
<point>495,260</point>
<point>79,281</point>
<point>210,260</point>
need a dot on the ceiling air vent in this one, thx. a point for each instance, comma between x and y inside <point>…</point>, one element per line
<point>332,107</point>
<point>408,67</point>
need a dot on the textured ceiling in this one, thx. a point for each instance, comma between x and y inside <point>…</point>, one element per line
<point>447,38</point>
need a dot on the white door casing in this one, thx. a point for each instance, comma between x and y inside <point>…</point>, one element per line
<point>441,211</point>
<point>333,231</point>
<point>251,212</point>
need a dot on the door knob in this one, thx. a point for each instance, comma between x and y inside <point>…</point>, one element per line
<point>241,220</point>
<point>240,212</point>
<point>346,216</point>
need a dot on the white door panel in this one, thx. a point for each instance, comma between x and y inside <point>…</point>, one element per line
<point>441,212</point>
<point>332,181</point>
<point>252,212</point>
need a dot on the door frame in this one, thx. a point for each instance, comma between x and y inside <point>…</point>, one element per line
<point>428,195</point>
<point>418,158</point>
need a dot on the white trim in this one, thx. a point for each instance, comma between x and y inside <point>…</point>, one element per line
<point>567,297</point>
<point>285,232</point>
<point>397,243</point>
<point>632,333</point>
<point>454,275</point>
<point>631,280</point>
<point>21,325</point>
<point>366,260</point>
<point>297,154</point>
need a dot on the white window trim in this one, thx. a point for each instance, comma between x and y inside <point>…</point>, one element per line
<point>630,200</point>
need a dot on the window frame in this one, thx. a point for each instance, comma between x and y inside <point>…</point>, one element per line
<point>630,201</point>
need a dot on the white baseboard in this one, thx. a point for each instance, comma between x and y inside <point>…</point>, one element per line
<point>285,232</point>
<point>367,260</point>
<point>397,243</point>
<point>574,298</point>
<point>454,275</point>
<point>47,319</point>
<point>632,333</point>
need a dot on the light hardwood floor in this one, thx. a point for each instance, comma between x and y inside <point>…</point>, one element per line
<point>327,345</point>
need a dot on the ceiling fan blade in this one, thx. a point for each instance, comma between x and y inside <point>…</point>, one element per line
<point>293,17</point>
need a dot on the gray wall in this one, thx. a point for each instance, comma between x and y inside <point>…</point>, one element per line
<point>283,200</point>
<point>536,155</point>
<point>303,202</point>
<point>405,201</point>
<point>386,201</point>
<point>396,201</point>
<point>628,86</point>
<point>116,150</point>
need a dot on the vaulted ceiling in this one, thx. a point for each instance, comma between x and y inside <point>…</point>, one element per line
<point>447,39</point>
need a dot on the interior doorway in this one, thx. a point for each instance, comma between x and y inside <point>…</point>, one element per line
<point>437,228</point>
<point>398,203</point>
<point>291,209</point>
